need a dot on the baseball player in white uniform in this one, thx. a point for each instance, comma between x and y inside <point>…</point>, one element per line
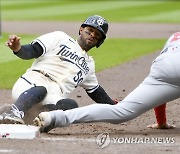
<point>61,64</point>
<point>160,86</point>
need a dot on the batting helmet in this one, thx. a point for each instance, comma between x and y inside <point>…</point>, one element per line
<point>99,23</point>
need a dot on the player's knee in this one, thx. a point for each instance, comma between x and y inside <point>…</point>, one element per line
<point>41,92</point>
<point>38,93</point>
<point>63,104</point>
<point>66,104</point>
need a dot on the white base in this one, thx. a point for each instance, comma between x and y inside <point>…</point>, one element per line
<point>17,131</point>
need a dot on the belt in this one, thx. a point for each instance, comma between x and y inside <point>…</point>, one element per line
<point>43,73</point>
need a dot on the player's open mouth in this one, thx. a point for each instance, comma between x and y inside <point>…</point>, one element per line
<point>90,40</point>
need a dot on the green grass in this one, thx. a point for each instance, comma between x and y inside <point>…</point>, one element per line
<point>114,11</point>
<point>11,71</point>
<point>117,51</point>
<point>111,53</point>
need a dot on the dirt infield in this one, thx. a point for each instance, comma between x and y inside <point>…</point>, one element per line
<point>118,82</point>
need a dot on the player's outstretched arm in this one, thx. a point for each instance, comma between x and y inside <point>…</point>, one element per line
<point>160,113</point>
<point>26,52</point>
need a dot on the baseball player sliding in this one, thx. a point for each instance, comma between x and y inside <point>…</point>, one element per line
<point>160,86</point>
<point>61,64</point>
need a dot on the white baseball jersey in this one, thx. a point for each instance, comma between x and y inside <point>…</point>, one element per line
<point>65,62</point>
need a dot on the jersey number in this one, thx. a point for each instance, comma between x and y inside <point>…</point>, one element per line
<point>78,78</point>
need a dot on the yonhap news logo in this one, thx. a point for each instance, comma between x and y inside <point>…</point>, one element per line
<point>103,140</point>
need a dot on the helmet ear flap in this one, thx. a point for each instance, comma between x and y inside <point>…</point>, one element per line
<point>99,43</point>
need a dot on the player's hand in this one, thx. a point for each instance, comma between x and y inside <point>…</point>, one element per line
<point>161,126</point>
<point>14,43</point>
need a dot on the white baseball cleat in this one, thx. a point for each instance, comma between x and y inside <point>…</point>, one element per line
<point>46,121</point>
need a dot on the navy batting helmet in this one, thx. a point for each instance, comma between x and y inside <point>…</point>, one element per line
<point>99,23</point>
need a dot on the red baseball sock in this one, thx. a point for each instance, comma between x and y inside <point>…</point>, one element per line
<point>160,113</point>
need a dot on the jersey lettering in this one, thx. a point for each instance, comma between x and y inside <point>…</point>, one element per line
<point>73,57</point>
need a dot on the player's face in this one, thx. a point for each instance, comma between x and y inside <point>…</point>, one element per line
<point>89,37</point>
